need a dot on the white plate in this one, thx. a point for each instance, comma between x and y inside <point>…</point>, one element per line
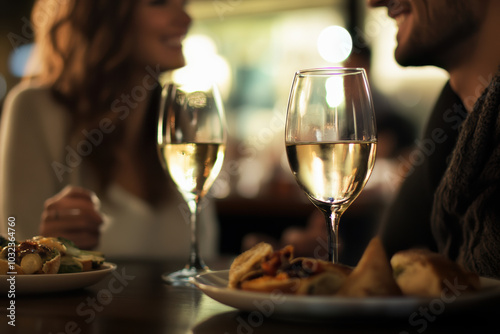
<point>300,308</point>
<point>26,284</point>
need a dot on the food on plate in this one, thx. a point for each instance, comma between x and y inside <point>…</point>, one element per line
<point>247,262</point>
<point>322,278</point>
<point>421,272</point>
<point>42,255</point>
<point>78,260</point>
<point>372,276</point>
<point>271,270</point>
<point>5,267</point>
<point>32,258</point>
<point>412,272</point>
<point>267,283</point>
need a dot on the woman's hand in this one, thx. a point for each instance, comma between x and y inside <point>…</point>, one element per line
<point>73,214</point>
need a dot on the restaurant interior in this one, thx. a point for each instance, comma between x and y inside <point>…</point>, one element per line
<point>252,48</point>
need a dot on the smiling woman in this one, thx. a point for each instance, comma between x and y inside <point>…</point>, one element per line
<point>159,32</point>
<point>85,125</point>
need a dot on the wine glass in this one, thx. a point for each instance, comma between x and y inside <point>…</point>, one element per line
<point>191,144</point>
<point>331,140</point>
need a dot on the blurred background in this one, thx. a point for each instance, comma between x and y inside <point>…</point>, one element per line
<point>252,48</point>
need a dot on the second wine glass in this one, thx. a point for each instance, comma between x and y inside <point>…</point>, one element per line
<point>330,139</point>
<point>191,144</point>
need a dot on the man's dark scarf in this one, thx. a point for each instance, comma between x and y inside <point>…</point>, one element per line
<point>466,211</point>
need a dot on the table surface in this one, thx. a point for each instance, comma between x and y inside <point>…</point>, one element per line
<point>147,305</point>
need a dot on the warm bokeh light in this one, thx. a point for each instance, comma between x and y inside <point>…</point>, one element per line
<point>204,66</point>
<point>334,91</point>
<point>334,44</point>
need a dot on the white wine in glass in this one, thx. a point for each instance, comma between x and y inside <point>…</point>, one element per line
<point>331,140</point>
<point>192,145</point>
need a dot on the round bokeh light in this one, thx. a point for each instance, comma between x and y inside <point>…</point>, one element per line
<point>334,44</point>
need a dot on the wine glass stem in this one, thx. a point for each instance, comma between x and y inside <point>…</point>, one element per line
<point>332,224</point>
<point>195,260</point>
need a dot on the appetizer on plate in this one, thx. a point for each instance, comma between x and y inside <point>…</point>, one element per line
<point>412,272</point>
<point>42,255</point>
<point>424,273</point>
<point>262,269</point>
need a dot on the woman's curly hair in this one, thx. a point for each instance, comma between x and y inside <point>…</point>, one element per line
<point>82,52</point>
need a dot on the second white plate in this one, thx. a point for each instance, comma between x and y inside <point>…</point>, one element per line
<point>305,308</point>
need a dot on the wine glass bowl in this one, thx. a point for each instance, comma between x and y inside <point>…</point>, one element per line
<point>331,140</point>
<point>191,145</point>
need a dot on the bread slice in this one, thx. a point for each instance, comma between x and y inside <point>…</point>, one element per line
<point>372,276</point>
<point>248,261</point>
<point>420,272</point>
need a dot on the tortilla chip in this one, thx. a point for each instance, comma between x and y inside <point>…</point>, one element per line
<point>248,261</point>
<point>372,276</point>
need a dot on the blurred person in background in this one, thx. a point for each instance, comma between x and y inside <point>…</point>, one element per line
<point>449,201</point>
<point>78,138</point>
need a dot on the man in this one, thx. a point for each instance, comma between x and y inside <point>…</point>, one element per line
<point>450,200</point>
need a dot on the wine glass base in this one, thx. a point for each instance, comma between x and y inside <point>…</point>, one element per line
<point>183,277</point>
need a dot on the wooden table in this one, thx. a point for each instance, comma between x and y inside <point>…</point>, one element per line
<point>135,300</point>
